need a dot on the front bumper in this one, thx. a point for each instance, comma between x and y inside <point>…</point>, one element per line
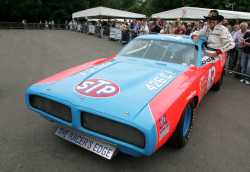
<point>144,122</point>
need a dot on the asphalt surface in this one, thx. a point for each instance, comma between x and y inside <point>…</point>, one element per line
<point>220,139</point>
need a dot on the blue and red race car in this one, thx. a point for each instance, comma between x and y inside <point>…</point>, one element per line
<point>134,102</point>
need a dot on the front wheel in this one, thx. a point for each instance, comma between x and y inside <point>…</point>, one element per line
<point>183,130</point>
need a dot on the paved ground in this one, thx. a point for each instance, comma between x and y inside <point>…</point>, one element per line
<point>221,135</point>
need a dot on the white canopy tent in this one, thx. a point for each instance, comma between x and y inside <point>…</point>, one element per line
<point>199,13</point>
<point>106,12</point>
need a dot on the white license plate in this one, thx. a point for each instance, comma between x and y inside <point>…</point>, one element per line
<point>100,148</point>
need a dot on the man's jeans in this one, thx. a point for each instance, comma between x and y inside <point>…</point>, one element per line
<point>245,64</point>
<point>233,58</point>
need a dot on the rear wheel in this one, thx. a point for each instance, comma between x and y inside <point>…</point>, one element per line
<point>183,130</point>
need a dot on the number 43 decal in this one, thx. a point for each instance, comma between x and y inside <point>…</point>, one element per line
<point>211,77</point>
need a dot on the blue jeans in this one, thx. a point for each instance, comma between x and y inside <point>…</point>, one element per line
<point>245,64</point>
<point>233,58</point>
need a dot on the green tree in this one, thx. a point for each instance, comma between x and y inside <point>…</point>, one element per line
<point>59,10</point>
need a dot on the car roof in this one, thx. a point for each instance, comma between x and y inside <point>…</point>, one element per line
<point>167,37</point>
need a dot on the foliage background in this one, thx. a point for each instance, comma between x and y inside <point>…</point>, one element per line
<point>61,10</point>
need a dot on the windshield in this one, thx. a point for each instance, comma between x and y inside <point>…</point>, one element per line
<point>161,50</point>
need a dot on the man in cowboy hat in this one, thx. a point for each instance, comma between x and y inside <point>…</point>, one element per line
<point>219,39</point>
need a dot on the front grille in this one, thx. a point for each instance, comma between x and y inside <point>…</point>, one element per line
<point>113,129</point>
<point>51,107</point>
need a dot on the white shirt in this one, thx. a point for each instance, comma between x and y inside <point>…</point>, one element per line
<point>218,38</point>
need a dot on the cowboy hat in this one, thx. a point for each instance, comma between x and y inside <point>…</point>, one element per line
<point>214,15</point>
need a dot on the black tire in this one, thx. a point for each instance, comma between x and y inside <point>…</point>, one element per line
<point>180,139</point>
<point>217,86</point>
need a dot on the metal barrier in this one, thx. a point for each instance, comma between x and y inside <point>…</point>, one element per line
<point>235,71</point>
<point>85,28</point>
<point>102,32</point>
<point>16,25</point>
<point>98,31</point>
<point>11,25</point>
<point>233,65</point>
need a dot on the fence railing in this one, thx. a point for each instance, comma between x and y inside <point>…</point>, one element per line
<point>16,25</point>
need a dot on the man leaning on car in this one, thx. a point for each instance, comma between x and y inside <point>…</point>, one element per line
<point>219,39</point>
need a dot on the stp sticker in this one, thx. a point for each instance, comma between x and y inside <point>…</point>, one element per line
<point>97,88</point>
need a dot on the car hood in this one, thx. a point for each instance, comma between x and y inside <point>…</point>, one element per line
<point>138,81</point>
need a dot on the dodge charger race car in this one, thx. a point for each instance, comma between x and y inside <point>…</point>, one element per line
<point>133,102</point>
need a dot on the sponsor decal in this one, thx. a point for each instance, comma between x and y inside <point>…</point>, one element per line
<point>207,59</point>
<point>164,127</point>
<point>159,80</point>
<point>97,88</point>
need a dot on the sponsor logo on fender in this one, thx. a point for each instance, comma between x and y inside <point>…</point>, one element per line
<point>159,80</point>
<point>164,127</point>
<point>97,88</point>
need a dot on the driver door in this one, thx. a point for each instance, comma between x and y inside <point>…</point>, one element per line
<point>207,74</point>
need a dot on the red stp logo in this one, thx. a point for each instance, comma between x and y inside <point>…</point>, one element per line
<point>97,88</point>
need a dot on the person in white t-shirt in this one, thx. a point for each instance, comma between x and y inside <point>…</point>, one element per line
<point>219,39</point>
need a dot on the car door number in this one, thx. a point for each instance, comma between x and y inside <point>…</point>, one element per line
<point>211,77</point>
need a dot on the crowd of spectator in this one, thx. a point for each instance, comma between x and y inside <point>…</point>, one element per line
<point>239,57</point>
<point>126,30</point>
<point>138,27</point>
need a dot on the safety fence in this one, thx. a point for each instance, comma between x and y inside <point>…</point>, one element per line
<point>17,25</point>
<point>236,63</point>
